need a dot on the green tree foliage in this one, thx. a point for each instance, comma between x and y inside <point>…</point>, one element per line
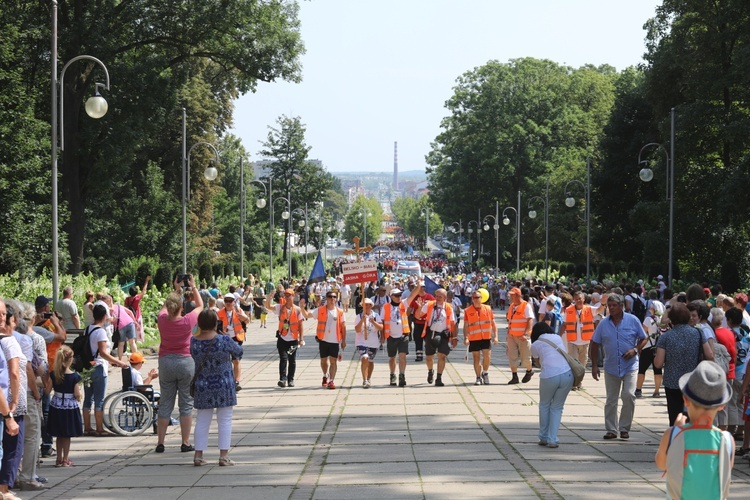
<point>294,177</point>
<point>411,216</point>
<point>354,224</point>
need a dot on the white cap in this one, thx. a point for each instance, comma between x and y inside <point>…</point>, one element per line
<point>660,277</point>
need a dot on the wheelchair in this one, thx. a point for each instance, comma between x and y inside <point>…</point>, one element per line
<point>133,410</point>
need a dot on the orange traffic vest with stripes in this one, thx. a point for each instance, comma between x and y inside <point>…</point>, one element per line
<point>52,347</point>
<point>478,322</point>
<point>323,319</point>
<point>517,319</point>
<point>293,318</point>
<point>450,322</point>
<point>239,333</point>
<point>387,308</point>
<point>586,320</point>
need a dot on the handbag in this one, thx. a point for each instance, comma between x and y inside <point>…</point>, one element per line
<point>200,367</point>
<point>575,366</point>
<point>116,332</point>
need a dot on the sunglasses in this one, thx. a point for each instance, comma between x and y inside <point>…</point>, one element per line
<point>227,299</point>
<point>331,296</point>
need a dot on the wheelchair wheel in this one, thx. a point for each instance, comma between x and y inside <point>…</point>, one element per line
<point>107,405</point>
<point>130,413</point>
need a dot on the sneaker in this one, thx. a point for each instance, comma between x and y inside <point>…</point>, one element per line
<point>40,479</point>
<point>430,376</point>
<point>237,386</point>
<point>486,378</point>
<point>478,381</point>
<point>439,381</point>
<point>282,383</point>
<point>741,452</point>
<point>367,384</point>
<point>364,384</point>
<point>49,453</point>
<point>325,381</point>
<point>331,385</point>
<point>513,380</point>
<point>290,383</point>
<point>638,393</point>
<point>393,379</point>
<point>553,445</point>
<point>402,380</point>
<point>29,485</point>
<point>656,394</point>
<point>418,357</point>
<point>527,377</point>
<point>184,448</point>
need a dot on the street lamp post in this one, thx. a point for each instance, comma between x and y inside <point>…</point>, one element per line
<point>426,214</point>
<point>477,225</point>
<point>209,173</point>
<point>532,214</point>
<point>460,233</point>
<point>260,203</point>
<point>364,213</point>
<point>570,203</point>
<point>96,107</point>
<point>496,227</point>
<point>646,174</point>
<point>506,221</point>
<point>286,214</point>
<point>303,224</point>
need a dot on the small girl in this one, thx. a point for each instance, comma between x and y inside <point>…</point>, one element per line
<point>263,315</point>
<point>64,408</point>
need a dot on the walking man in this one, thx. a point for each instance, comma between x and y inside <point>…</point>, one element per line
<point>417,299</point>
<point>622,336</point>
<point>368,328</point>
<point>479,329</point>
<point>579,329</point>
<point>331,335</point>
<point>439,333</point>
<point>288,336</point>
<point>396,332</point>
<point>520,320</point>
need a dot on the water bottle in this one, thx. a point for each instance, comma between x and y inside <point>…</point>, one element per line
<point>341,356</point>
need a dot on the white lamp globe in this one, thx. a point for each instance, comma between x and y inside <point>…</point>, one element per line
<point>532,214</point>
<point>506,220</point>
<point>646,174</point>
<point>96,106</point>
<point>260,203</point>
<point>570,202</point>
<point>486,227</point>
<point>210,173</point>
<point>285,215</point>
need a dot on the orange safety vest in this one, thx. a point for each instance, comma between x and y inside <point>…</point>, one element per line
<point>478,322</point>
<point>52,347</point>
<point>517,322</point>
<point>294,321</point>
<point>448,317</point>
<point>587,323</point>
<point>323,318</point>
<point>239,333</point>
<point>387,319</point>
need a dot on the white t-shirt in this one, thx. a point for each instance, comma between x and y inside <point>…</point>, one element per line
<point>12,349</point>
<point>372,333</point>
<point>330,335</point>
<point>99,334</point>
<point>553,363</point>
<point>397,329</point>
<point>439,321</point>
<point>136,376</point>
<point>67,309</point>
<point>651,330</point>
<point>288,337</point>
<point>345,291</point>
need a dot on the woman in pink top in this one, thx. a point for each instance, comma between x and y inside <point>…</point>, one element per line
<point>176,365</point>
<point>123,321</point>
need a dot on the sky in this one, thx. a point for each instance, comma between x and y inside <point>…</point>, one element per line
<point>380,71</point>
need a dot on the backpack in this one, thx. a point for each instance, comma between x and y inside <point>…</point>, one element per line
<point>721,356</point>
<point>83,358</point>
<point>639,308</point>
<point>698,462</point>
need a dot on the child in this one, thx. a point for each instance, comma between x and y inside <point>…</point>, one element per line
<point>263,315</point>
<point>64,408</point>
<point>697,456</point>
<point>136,363</point>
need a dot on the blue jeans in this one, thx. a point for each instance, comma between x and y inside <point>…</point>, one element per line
<point>553,392</point>
<point>95,390</point>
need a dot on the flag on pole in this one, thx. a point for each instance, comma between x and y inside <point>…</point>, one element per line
<point>318,273</point>
<point>430,286</point>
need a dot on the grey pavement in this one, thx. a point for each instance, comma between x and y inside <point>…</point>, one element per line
<point>416,442</point>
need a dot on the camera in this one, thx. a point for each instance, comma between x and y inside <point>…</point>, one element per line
<point>185,278</point>
<point>47,315</point>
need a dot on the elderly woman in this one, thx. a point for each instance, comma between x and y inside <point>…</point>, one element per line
<point>176,366</point>
<point>678,351</point>
<point>725,337</point>
<point>214,385</point>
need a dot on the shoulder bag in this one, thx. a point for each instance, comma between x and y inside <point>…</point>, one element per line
<point>576,367</point>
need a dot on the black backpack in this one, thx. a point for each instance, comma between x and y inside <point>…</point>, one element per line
<point>639,308</point>
<point>82,355</point>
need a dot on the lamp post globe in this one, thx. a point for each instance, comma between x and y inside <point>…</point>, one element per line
<point>96,106</point>
<point>646,174</point>
<point>486,227</point>
<point>260,203</point>
<point>210,173</point>
<point>285,215</point>
<point>532,214</point>
<point>506,221</point>
<point>302,223</point>
<point>570,202</point>
<point>496,226</point>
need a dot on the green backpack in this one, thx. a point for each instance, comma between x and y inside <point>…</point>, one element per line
<point>699,462</point>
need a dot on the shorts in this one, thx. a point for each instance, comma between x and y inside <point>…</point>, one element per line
<point>367,352</point>
<point>263,316</point>
<point>479,345</point>
<point>127,332</point>
<point>443,348</point>
<point>397,346</point>
<point>328,350</point>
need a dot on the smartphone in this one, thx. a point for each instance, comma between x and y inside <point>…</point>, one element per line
<point>185,278</point>
<point>47,315</point>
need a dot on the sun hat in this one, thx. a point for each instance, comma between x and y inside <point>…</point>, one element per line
<point>707,385</point>
<point>368,301</point>
<point>136,358</point>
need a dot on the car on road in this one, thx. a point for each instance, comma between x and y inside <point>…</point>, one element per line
<point>410,267</point>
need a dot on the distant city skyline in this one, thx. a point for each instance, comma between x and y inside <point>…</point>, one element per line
<point>379,72</point>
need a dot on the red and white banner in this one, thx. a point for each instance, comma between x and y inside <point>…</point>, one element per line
<point>360,272</point>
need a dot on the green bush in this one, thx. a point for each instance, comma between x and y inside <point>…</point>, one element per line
<point>205,273</point>
<point>730,276</point>
<point>218,270</point>
<point>163,276</point>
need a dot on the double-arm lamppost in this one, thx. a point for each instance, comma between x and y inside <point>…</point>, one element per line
<point>532,214</point>
<point>322,226</point>
<point>209,173</point>
<point>261,203</point>
<point>364,213</point>
<point>496,227</point>
<point>284,215</point>
<point>303,223</point>
<point>646,175</point>
<point>426,214</point>
<point>477,225</point>
<point>570,203</point>
<point>506,221</point>
<point>460,232</point>
<point>96,107</point>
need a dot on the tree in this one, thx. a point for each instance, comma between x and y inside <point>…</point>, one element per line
<point>294,176</point>
<point>354,224</point>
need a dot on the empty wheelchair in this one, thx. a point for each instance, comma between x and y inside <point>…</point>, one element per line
<point>133,410</point>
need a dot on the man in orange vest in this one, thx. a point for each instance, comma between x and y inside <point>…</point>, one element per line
<point>331,335</point>
<point>232,319</point>
<point>578,325</point>
<point>479,329</point>
<point>520,320</point>
<point>439,333</point>
<point>416,300</point>
<point>288,335</point>
<point>396,331</point>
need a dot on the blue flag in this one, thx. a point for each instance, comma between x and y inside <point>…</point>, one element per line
<point>430,286</point>
<point>318,273</point>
